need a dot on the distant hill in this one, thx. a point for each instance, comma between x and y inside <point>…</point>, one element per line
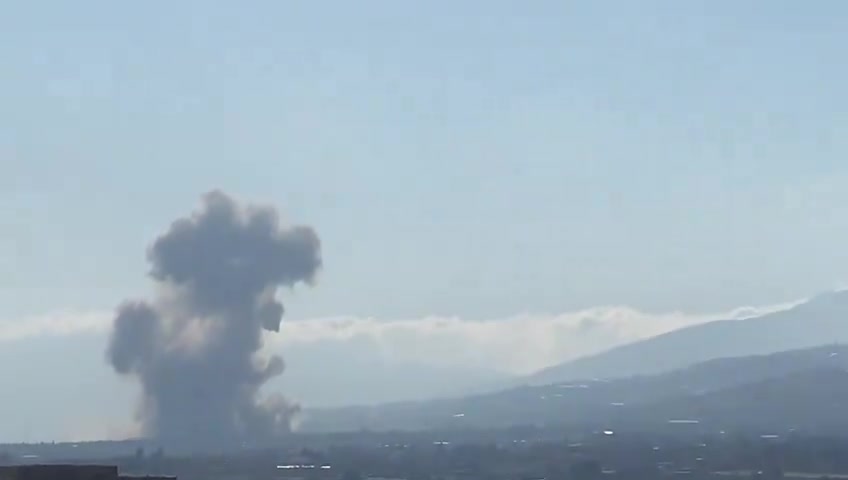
<point>706,390</point>
<point>811,401</point>
<point>367,380</point>
<point>723,373</point>
<point>822,320</point>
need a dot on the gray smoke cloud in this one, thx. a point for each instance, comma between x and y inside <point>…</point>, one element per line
<point>194,348</point>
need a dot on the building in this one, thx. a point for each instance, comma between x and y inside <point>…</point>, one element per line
<point>59,472</point>
<point>68,472</point>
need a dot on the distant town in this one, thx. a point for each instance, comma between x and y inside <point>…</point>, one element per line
<point>519,453</point>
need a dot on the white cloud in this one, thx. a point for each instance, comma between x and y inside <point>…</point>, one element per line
<point>517,344</point>
<point>58,323</point>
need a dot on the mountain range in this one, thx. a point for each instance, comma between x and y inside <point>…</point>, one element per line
<point>819,321</point>
<point>785,370</point>
<point>705,391</point>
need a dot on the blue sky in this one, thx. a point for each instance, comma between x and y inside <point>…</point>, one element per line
<point>478,159</point>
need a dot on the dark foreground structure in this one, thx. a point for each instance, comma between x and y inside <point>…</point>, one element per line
<point>69,472</point>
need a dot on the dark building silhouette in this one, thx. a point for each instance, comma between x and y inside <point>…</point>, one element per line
<point>59,472</point>
<point>69,472</point>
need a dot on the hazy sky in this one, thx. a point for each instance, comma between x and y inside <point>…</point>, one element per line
<point>477,159</point>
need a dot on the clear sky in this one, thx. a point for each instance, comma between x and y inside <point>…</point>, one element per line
<point>474,158</point>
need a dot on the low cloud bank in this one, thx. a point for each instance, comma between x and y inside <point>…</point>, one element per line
<point>54,324</point>
<point>518,344</point>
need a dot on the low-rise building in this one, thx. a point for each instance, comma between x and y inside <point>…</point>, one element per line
<point>70,472</point>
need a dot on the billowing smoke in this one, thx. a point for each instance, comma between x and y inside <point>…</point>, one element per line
<point>194,348</point>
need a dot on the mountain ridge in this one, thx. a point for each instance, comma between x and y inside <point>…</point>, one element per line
<point>819,321</point>
<point>630,400</point>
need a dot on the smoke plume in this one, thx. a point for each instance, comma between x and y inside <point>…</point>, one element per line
<point>194,347</point>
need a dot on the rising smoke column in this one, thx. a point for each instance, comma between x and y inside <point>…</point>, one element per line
<point>194,348</point>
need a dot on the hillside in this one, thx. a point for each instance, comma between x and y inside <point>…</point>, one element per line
<point>811,400</point>
<point>819,321</point>
<point>708,388</point>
